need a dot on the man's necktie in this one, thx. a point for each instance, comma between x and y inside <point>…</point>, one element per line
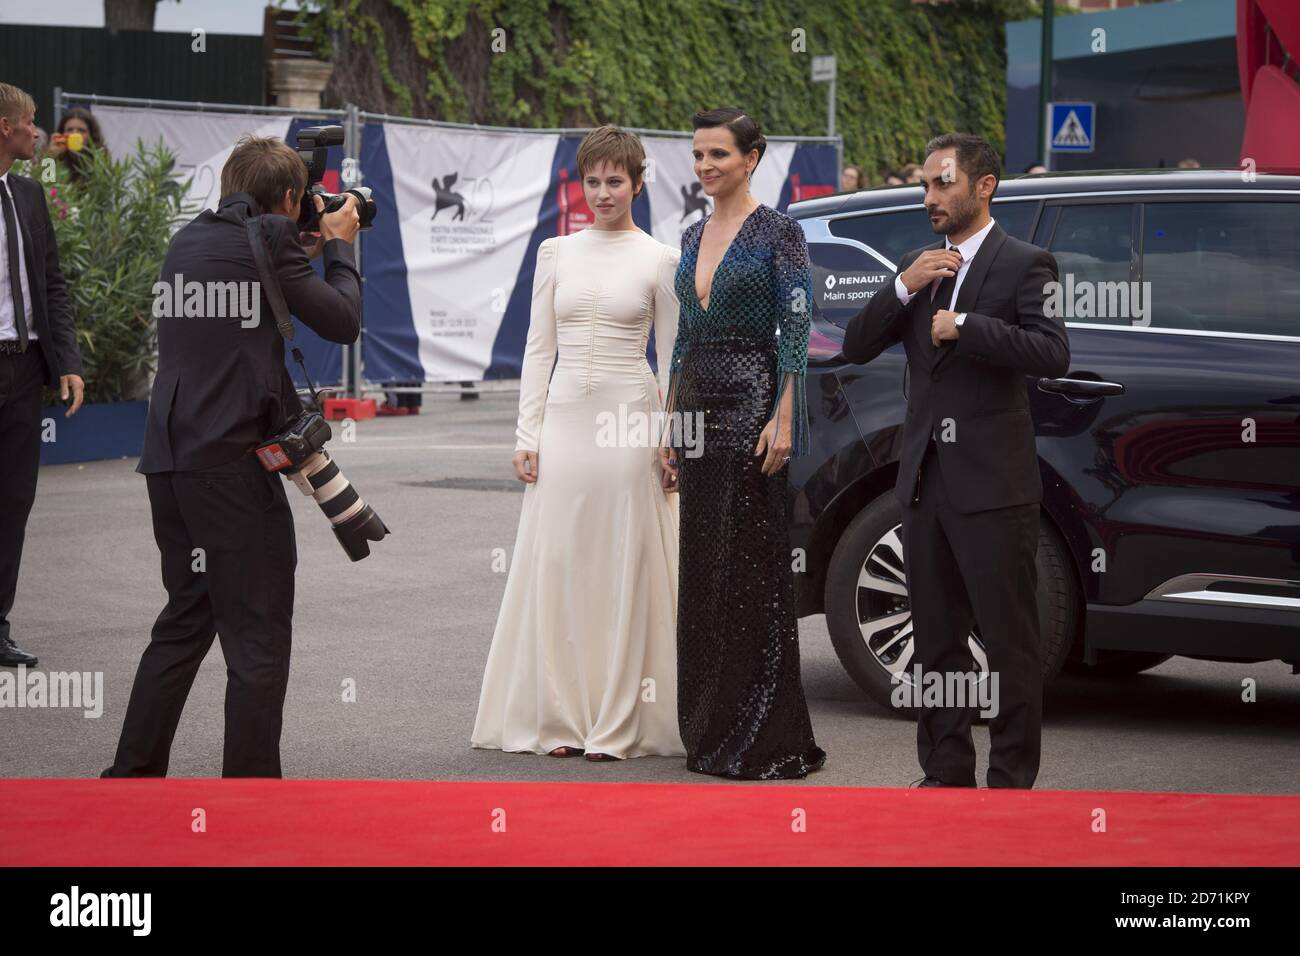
<point>943,295</point>
<point>942,299</point>
<point>15,271</point>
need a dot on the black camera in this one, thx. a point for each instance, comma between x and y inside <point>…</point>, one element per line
<point>313,149</point>
<point>298,450</point>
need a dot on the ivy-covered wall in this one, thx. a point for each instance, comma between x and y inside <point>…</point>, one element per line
<point>906,71</point>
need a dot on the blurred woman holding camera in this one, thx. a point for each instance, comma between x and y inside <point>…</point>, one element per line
<point>78,133</point>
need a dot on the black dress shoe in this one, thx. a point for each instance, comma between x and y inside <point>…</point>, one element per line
<point>11,655</point>
<point>931,782</point>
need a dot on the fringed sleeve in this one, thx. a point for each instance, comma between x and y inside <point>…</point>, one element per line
<point>667,314</point>
<point>794,294</point>
<point>674,433</point>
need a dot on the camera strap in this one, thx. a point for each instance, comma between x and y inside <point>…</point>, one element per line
<point>274,295</point>
<point>270,283</point>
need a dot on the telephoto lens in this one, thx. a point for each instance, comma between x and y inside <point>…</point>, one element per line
<point>355,522</point>
<point>365,204</point>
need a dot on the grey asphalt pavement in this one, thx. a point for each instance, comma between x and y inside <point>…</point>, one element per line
<point>411,626</point>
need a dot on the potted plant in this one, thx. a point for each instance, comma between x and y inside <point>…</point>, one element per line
<point>112,225</point>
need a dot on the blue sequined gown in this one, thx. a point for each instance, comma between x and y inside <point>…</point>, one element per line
<point>740,699</point>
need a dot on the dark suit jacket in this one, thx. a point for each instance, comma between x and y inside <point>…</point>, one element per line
<point>221,388</point>
<point>978,381</point>
<point>51,311</point>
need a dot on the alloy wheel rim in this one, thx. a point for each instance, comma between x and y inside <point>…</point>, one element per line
<point>884,611</point>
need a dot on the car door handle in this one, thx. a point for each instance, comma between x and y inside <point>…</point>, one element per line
<point>1080,387</point>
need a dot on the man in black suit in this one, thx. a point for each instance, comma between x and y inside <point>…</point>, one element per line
<point>38,344</point>
<point>969,312</point>
<point>222,523</point>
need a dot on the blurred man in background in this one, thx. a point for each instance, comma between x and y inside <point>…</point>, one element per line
<point>38,344</point>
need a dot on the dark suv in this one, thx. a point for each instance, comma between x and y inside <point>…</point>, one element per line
<point>1170,451</point>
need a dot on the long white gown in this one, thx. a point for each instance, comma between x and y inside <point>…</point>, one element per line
<point>584,653</point>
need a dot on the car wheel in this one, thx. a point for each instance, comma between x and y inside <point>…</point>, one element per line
<point>869,615</point>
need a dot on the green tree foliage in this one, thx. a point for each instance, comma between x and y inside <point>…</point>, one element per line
<point>906,71</point>
<point>112,226</point>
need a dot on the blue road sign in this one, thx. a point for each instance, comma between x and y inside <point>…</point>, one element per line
<point>1073,127</point>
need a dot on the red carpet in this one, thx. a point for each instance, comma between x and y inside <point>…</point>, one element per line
<point>333,822</point>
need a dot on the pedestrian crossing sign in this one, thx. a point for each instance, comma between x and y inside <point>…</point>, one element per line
<point>1073,127</point>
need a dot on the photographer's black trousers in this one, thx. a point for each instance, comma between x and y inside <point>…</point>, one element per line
<point>228,559</point>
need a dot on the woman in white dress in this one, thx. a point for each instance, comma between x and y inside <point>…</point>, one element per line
<point>583,659</point>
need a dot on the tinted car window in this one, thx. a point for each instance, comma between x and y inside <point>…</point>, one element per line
<point>844,280</point>
<point>892,234</point>
<point>1223,266</point>
<point>1093,249</point>
<point>844,277</point>
<point>1017,218</point>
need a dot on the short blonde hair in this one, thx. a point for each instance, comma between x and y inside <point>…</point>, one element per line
<point>15,103</point>
<point>265,168</point>
<point>615,146</point>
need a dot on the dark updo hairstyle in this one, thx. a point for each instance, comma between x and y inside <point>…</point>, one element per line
<point>743,129</point>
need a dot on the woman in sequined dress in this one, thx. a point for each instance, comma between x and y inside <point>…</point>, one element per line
<point>737,371</point>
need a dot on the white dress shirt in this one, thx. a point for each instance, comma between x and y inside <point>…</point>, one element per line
<point>8,330</point>
<point>967,251</point>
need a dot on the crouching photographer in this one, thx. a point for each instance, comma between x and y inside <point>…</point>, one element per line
<point>221,519</point>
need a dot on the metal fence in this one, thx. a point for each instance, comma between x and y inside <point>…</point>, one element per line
<point>353,120</point>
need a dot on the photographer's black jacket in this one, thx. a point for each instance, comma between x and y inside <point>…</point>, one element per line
<point>222,388</point>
